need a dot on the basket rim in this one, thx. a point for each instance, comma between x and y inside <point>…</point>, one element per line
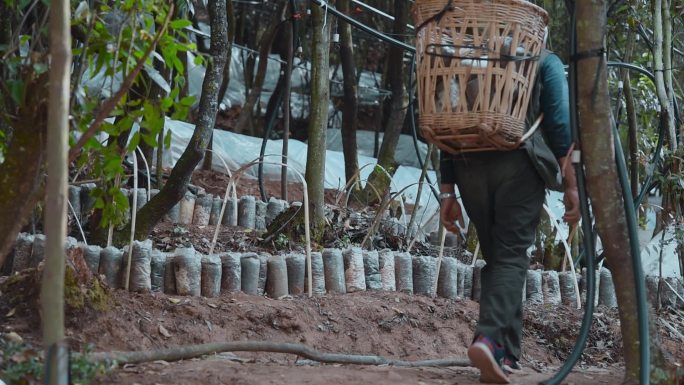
<point>522,3</point>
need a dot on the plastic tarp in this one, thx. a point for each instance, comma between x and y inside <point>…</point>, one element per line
<point>404,155</point>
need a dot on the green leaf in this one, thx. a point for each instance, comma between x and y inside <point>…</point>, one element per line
<point>150,140</point>
<point>187,101</point>
<point>121,200</point>
<point>177,64</point>
<point>166,103</point>
<point>16,90</point>
<point>167,139</point>
<point>135,140</point>
<point>198,60</point>
<point>180,23</point>
<point>99,203</point>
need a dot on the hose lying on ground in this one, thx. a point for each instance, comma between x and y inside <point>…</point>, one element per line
<point>192,351</point>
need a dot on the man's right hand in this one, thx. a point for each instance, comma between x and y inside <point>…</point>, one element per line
<point>570,195</point>
<point>450,212</point>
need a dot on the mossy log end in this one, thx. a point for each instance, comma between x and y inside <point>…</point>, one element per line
<point>378,184</point>
<point>82,290</point>
<point>290,223</point>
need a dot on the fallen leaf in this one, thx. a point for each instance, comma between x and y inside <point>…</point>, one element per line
<point>174,300</point>
<point>163,331</point>
<point>211,305</point>
<point>161,362</point>
<point>11,312</point>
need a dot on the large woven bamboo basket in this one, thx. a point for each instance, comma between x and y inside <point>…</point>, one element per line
<point>476,64</point>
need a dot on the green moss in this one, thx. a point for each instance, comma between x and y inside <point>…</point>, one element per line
<point>73,295</point>
<point>289,225</point>
<point>98,296</point>
<point>77,296</point>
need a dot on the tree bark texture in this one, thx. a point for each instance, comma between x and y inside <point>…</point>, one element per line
<point>20,174</point>
<point>289,57</point>
<point>351,100</point>
<point>52,290</point>
<point>601,171</point>
<point>244,122</point>
<point>397,113</point>
<point>318,117</point>
<point>177,184</point>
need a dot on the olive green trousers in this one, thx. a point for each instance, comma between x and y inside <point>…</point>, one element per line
<point>503,195</point>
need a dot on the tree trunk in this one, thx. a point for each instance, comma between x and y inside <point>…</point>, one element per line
<point>244,122</point>
<point>351,103</point>
<point>230,15</point>
<point>602,179</point>
<point>378,179</point>
<point>177,184</point>
<point>20,174</point>
<point>631,117</point>
<point>289,57</point>
<point>318,118</point>
<point>52,289</point>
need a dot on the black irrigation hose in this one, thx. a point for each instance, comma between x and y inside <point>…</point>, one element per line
<point>323,4</point>
<point>267,134</point>
<point>271,121</point>
<point>586,226</point>
<point>639,280</point>
<point>648,184</point>
<point>408,48</point>
<point>586,223</point>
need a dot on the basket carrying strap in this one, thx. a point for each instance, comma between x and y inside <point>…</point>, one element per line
<point>449,6</point>
<point>533,118</point>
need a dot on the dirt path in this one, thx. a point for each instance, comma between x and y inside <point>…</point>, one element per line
<point>388,324</point>
<point>223,370</point>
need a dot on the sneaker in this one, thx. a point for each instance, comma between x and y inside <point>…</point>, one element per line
<point>487,355</point>
<point>511,365</point>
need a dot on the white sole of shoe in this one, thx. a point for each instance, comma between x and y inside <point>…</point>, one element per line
<point>483,359</point>
<point>507,368</point>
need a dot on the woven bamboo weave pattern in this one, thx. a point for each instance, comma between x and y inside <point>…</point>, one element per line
<point>476,63</point>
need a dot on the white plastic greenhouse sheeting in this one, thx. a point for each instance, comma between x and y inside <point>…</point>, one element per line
<point>404,155</point>
<point>238,150</point>
<point>650,255</point>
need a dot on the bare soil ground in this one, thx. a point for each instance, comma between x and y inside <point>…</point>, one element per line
<point>376,323</point>
<point>388,324</point>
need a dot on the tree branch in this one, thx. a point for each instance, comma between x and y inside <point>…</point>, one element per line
<point>109,105</point>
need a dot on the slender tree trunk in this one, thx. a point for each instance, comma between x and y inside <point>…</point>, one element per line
<point>603,184</point>
<point>289,57</point>
<point>659,70</point>
<point>351,102</point>
<point>230,15</point>
<point>631,116</point>
<point>52,290</point>
<point>602,179</point>
<point>244,122</point>
<point>378,179</point>
<point>318,117</point>
<point>177,184</point>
